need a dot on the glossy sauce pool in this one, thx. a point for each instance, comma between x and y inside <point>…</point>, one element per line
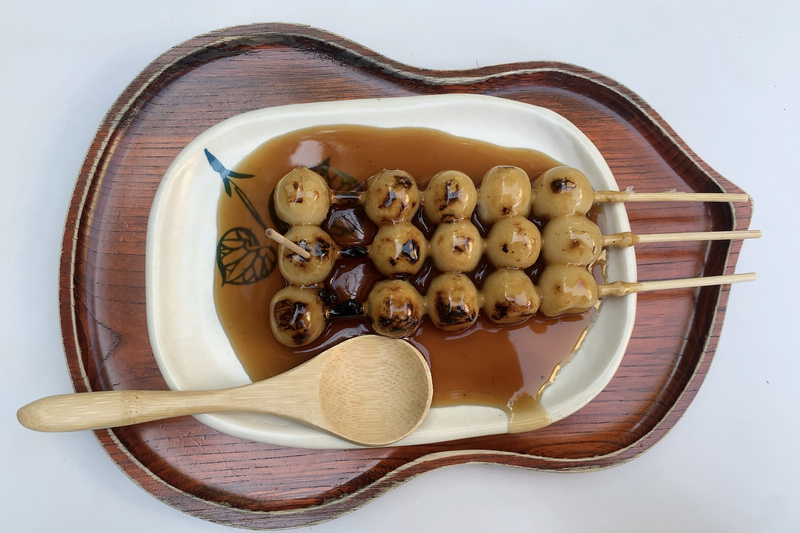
<point>489,364</point>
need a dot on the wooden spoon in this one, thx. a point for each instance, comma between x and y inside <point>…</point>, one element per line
<point>369,390</point>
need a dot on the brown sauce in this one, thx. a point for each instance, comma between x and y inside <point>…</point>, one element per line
<point>490,365</point>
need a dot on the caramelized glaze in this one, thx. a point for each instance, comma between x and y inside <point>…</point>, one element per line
<point>503,366</point>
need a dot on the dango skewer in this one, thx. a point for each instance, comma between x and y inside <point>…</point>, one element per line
<point>395,308</point>
<point>303,196</point>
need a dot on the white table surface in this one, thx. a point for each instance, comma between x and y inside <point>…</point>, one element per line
<point>724,75</point>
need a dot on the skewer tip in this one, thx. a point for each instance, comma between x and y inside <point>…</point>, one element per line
<point>280,239</point>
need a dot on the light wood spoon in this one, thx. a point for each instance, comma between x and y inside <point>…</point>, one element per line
<point>369,390</point>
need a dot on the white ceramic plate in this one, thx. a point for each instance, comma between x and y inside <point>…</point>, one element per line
<point>193,351</point>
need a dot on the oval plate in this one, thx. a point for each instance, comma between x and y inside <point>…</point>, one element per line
<point>188,340</point>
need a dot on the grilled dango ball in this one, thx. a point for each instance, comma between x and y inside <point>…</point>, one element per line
<point>571,240</point>
<point>297,316</point>
<point>562,191</point>
<point>392,196</point>
<point>504,191</point>
<point>513,242</point>
<point>300,271</point>
<point>509,296</point>
<point>450,195</point>
<point>452,302</point>
<point>395,308</point>
<point>302,197</point>
<point>398,249</point>
<point>567,290</point>
<point>457,246</point>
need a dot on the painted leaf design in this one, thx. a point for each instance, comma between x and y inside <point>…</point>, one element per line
<point>242,260</point>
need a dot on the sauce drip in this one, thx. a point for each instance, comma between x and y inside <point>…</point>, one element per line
<point>505,367</point>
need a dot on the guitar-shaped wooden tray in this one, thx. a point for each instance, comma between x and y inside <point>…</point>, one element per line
<point>241,483</point>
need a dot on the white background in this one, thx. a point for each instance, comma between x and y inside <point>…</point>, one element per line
<point>724,75</point>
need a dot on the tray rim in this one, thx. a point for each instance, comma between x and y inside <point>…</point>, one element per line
<point>123,111</point>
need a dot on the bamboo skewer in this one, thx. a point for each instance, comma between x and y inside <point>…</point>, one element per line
<point>280,239</point>
<point>629,239</point>
<point>616,239</point>
<point>396,308</point>
<point>630,196</point>
<point>622,288</point>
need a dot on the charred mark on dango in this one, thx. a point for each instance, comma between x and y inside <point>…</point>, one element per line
<point>293,319</point>
<point>451,314</point>
<point>500,311</point>
<point>452,194</point>
<point>562,185</point>
<point>397,323</point>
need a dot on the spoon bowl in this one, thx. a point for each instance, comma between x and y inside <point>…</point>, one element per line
<point>369,390</point>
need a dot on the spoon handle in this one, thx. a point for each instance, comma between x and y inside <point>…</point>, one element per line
<point>106,409</point>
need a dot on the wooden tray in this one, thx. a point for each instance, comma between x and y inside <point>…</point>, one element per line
<point>212,77</point>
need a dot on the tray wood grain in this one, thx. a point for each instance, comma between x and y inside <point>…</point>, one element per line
<point>215,76</point>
